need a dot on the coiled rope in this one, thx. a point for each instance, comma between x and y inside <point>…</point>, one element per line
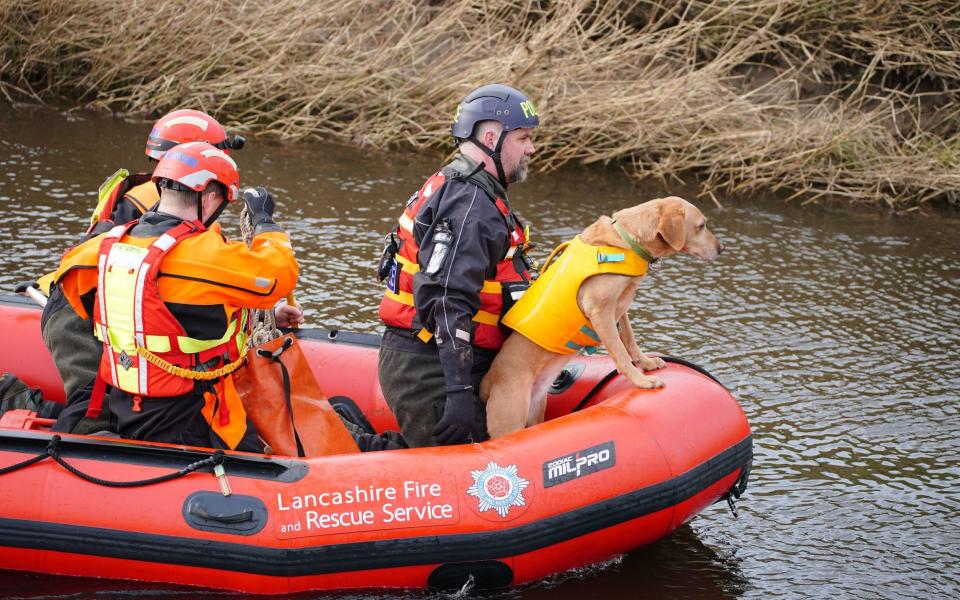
<point>264,323</point>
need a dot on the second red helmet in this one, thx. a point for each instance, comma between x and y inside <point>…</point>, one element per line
<point>182,126</point>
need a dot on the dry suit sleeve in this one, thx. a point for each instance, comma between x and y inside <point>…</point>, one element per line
<point>447,300</point>
<point>232,273</point>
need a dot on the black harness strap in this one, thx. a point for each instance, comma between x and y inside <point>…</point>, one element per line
<point>275,357</point>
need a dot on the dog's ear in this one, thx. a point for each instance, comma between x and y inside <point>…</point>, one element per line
<point>673,225</point>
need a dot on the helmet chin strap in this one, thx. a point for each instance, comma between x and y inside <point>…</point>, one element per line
<point>213,217</point>
<point>216,214</point>
<point>494,154</point>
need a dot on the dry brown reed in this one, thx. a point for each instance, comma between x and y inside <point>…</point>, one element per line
<point>849,99</point>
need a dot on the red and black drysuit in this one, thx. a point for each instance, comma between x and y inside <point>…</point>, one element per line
<point>442,328</point>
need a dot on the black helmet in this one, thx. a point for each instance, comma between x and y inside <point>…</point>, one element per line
<point>495,102</point>
<point>504,104</point>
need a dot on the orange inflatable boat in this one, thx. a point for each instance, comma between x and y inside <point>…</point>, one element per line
<point>612,468</point>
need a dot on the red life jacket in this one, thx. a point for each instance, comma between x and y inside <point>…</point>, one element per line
<point>130,317</point>
<point>397,307</point>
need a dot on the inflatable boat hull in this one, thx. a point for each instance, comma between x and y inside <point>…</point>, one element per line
<point>623,470</point>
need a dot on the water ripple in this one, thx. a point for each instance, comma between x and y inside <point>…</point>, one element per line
<point>838,332</point>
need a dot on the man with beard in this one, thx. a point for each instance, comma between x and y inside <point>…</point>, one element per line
<point>451,268</point>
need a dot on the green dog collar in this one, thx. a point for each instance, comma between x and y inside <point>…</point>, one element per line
<point>634,245</point>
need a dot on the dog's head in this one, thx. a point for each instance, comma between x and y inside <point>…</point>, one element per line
<point>668,225</point>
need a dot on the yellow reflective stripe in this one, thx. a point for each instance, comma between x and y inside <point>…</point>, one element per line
<point>161,343</point>
<point>117,293</point>
<point>406,223</point>
<point>408,265</point>
<point>158,343</point>
<point>242,336</point>
<point>190,345</point>
<point>103,193</point>
<point>486,318</point>
<point>491,287</point>
<point>401,297</point>
<point>119,340</point>
<point>128,380</point>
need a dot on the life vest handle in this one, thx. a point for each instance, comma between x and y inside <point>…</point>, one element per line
<point>556,252</point>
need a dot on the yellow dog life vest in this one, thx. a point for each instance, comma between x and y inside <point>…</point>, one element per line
<point>548,314</point>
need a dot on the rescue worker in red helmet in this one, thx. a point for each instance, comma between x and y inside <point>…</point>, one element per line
<point>450,268</point>
<point>169,297</point>
<point>124,197</point>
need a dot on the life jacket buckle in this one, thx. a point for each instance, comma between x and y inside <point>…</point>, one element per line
<point>610,257</point>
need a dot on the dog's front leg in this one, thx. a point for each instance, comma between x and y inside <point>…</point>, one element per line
<point>647,363</point>
<point>606,328</point>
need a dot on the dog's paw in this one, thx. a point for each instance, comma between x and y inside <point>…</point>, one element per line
<point>650,363</point>
<point>647,383</point>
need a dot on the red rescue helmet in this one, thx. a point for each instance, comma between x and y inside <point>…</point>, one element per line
<point>193,165</point>
<point>182,126</point>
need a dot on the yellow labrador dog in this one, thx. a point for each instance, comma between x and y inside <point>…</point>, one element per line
<point>515,388</point>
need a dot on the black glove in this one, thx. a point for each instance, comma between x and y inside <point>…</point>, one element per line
<point>458,425</point>
<point>260,205</point>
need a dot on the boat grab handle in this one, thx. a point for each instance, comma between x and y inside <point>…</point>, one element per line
<point>235,514</point>
<point>236,518</point>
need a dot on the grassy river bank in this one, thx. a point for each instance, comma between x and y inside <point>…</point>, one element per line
<point>845,100</point>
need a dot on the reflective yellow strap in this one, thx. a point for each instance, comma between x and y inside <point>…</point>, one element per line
<point>158,343</point>
<point>190,345</point>
<point>242,336</point>
<point>401,297</point>
<point>492,287</point>
<point>483,317</point>
<point>408,265</point>
<point>486,318</point>
<point>187,373</point>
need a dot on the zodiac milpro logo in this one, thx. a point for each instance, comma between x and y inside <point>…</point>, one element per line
<point>578,464</point>
<point>529,110</point>
<point>498,488</point>
<point>456,116</point>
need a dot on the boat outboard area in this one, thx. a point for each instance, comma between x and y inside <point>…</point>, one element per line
<point>611,469</point>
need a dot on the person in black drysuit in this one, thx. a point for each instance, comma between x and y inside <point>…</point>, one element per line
<point>457,245</point>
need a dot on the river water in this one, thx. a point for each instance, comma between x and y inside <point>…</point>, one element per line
<point>839,333</point>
